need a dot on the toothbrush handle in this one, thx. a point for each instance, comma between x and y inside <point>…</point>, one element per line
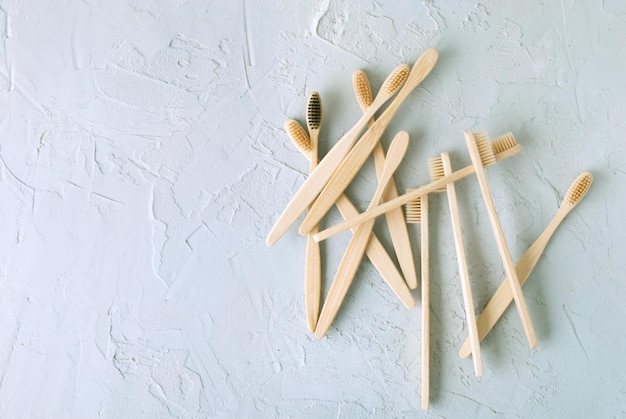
<point>502,298</point>
<point>312,258</point>
<point>356,248</point>
<point>312,281</point>
<point>503,248</point>
<point>309,189</point>
<point>395,218</point>
<point>343,277</point>
<point>379,257</point>
<point>425,262</point>
<point>345,171</point>
<point>375,252</point>
<point>397,224</point>
<point>398,229</point>
<point>408,197</point>
<point>466,287</point>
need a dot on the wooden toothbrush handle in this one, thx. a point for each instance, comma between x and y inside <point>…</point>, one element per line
<point>466,287</point>
<point>343,175</point>
<point>307,192</point>
<point>397,224</point>
<point>343,277</point>
<point>313,258</point>
<point>374,250</point>
<point>408,197</point>
<point>356,247</point>
<point>503,249</point>
<point>379,257</point>
<point>503,296</point>
<point>312,282</point>
<point>394,203</point>
<point>425,263</point>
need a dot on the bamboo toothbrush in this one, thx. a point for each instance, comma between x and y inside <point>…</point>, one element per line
<point>354,252</point>
<point>350,166</point>
<point>375,250</point>
<point>482,154</point>
<point>501,299</point>
<point>417,213</point>
<point>317,180</point>
<point>408,197</point>
<point>395,219</point>
<point>313,270</point>
<point>440,167</point>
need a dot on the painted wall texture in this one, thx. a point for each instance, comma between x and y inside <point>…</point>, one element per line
<point>143,161</point>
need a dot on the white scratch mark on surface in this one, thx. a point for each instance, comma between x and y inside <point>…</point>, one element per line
<point>248,32</point>
<point>8,32</point>
<point>12,78</point>
<point>159,236</point>
<point>76,55</point>
<point>565,35</point>
<point>79,365</point>
<point>571,323</point>
<point>492,410</point>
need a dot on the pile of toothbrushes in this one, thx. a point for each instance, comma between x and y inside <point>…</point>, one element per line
<point>329,177</point>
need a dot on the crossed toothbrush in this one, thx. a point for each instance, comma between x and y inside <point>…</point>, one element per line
<point>328,179</point>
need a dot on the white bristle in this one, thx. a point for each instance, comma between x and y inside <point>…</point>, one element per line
<point>413,210</point>
<point>503,143</point>
<point>484,148</point>
<point>435,167</point>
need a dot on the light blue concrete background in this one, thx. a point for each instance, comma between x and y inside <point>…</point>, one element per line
<point>143,161</point>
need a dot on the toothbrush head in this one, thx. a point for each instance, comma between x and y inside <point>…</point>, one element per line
<point>396,79</point>
<point>487,157</point>
<point>362,89</point>
<point>579,188</point>
<point>435,167</point>
<point>314,112</point>
<point>503,143</point>
<point>298,136</point>
<point>413,210</point>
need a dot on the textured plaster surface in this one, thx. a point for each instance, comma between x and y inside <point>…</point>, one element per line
<point>143,161</point>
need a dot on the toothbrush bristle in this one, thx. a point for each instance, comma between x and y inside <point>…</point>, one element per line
<point>435,167</point>
<point>314,111</point>
<point>362,88</point>
<point>484,148</point>
<point>298,136</point>
<point>413,210</point>
<point>503,143</point>
<point>579,188</point>
<point>396,79</point>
